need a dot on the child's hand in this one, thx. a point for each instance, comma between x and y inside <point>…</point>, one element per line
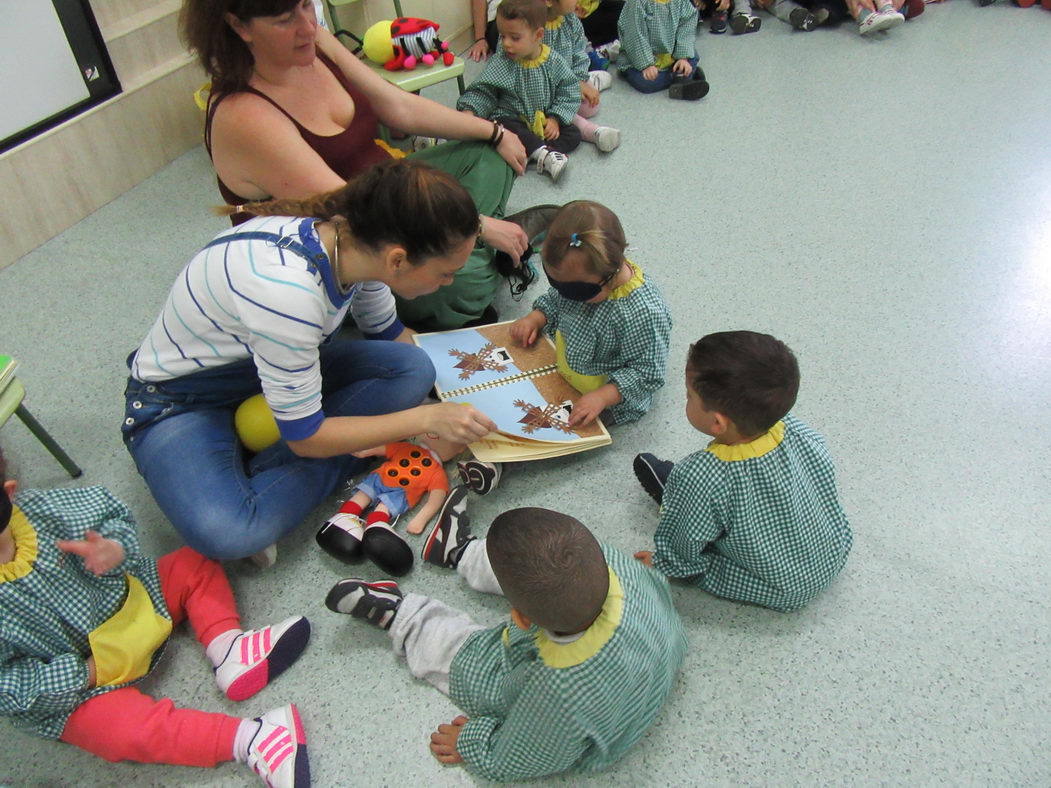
<point>443,741</point>
<point>589,93</point>
<point>650,73</point>
<point>722,5</point>
<point>480,51</point>
<point>100,554</point>
<point>526,330</point>
<point>645,557</point>
<point>587,409</point>
<point>551,129</point>
<point>682,67</point>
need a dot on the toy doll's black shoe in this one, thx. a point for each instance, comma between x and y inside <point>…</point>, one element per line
<point>652,474</point>
<point>377,602</point>
<point>451,533</point>
<point>387,549</point>
<point>340,537</point>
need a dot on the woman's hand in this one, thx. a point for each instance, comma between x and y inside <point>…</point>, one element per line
<point>682,67</point>
<point>505,236</point>
<point>513,152</point>
<point>650,73</point>
<point>526,330</point>
<point>456,422</point>
<point>589,93</point>
<point>551,130</point>
<point>480,51</point>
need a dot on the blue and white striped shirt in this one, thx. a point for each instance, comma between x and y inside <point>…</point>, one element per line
<point>253,298</point>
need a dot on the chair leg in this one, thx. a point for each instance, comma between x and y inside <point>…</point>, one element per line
<point>459,84</point>
<point>50,444</point>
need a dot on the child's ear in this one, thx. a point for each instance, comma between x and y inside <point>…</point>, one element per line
<point>10,486</point>
<point>520,620</point>
<point>720,424</point>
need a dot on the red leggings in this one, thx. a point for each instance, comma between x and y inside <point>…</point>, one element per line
<point>127,724</point>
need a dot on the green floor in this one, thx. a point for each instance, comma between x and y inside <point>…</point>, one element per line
<point>884,206</point>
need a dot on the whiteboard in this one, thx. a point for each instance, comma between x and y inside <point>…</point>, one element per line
<point>39,76</point>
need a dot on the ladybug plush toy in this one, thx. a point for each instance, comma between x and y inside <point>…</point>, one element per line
<point>404,43</point>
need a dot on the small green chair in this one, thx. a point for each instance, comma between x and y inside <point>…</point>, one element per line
<point>413,81</point>
<point>12,392</point>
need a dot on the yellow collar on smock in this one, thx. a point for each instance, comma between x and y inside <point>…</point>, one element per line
<point>764,444</point>
<point>554,24</point>
<point>633,284</point>
<point>539,60</point>
<point>591,641</point>
<point>25,548</point>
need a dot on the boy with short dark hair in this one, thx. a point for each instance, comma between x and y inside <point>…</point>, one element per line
<point>528,88</point>
<point>583,670</point>
<point>755,516</point>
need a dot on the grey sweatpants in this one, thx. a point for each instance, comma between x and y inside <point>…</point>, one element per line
<point>428,633</point>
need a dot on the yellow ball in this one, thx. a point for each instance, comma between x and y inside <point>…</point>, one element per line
<point>255,424</point>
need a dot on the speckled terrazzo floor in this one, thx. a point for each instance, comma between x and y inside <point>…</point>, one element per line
<point>884,206</point>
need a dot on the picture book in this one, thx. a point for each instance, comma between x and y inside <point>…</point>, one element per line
<point>7,369</point>
<point>519,388</point>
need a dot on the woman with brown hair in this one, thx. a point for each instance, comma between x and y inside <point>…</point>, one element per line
<point>293,113</point>
<point>254,311</point>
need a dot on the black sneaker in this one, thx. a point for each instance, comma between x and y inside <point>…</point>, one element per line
<point>718,23</point>
<point>451,533</point>
<point>652,474</point>
<point>387,549</point>
<point>801,19</point>
<point>745,23</point>
<point>377,602</point>
<point>692,88</point>
<point>479,477</point>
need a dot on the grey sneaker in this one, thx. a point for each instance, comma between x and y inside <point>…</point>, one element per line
<point>451,533</point>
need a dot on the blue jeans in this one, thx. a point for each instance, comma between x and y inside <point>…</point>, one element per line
<point>181,435</point>
<point>662,82</point>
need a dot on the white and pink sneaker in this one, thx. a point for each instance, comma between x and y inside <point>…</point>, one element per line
<point>277,751</point>
<point>255,658</point>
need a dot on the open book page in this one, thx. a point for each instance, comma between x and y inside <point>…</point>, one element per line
<point>522,411</point>
<point>470,357</point>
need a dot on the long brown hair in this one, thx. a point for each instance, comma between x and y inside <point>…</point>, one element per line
<point>401,202</point>
<point>223,55</point>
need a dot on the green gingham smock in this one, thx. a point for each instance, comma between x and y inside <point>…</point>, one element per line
<point>47,612</point>
<point>508,88</point>
<point>565,36</point>
<point>538,707</point>
<point>648,28</point>
<point>625,337</point>
<point>758,522</point>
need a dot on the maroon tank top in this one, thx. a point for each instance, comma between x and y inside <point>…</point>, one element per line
<point>346,153</point>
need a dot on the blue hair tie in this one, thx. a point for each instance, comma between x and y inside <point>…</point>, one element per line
<point>574,240</point>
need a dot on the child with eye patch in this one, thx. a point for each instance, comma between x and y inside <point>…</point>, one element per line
<point>609,322</point>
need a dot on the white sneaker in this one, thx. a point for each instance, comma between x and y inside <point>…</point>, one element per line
<point>600,80</point>
<point>265,558</point>
<point>551,164</point>
<point>278,750</point>
<point>422,143</point>
<point>611,50</point>
<point>881,20</point>
<point>607,138</point>
<point>256,657</point>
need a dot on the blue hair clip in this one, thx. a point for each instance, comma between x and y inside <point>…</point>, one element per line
<point>574,240</point>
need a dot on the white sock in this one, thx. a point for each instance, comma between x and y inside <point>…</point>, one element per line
<point>220,646</point>
<point>245,731</point>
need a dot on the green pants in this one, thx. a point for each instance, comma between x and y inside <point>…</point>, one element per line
<point>488,179</point>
